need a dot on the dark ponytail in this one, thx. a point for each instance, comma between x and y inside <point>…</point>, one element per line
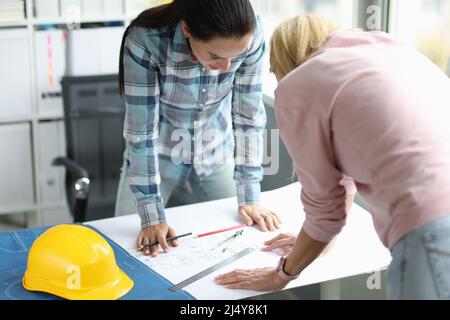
<point>206,19</point>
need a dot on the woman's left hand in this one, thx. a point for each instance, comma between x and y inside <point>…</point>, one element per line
<point>266,219</point>
<point>263,279</point>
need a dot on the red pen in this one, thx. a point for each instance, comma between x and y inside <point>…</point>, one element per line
<point>221,230</point>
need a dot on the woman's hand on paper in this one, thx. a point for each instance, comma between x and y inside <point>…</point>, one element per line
<point>156,233</point>
<point>282,243</point>
<point>263,279</point>
<point>264,218</point>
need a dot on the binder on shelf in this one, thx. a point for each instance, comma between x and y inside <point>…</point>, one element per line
<point>112,8</point>
<point>15,84</point>
<point>111,39</point>
<point>93,51</point>
<point>12,10</point>
<point>83,52</point>
<point>50,67</point>
<point>46,9</point>
<point>67,7</point>
<point>51,145</point>
<point>134,7</point>
<point>91,8</point>
<point>16,188</point>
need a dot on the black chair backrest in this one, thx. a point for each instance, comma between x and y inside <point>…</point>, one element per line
<point>93,114</point>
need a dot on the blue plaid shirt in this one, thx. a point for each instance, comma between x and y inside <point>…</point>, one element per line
<point>171,98</point>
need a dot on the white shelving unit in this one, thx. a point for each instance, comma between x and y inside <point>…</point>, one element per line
<point>42,211</point>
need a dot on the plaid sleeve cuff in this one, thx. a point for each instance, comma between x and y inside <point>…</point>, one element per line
<point>151,213</point>
<point>248,194</point>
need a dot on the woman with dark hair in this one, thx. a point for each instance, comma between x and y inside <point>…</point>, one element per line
<point>191,74</point>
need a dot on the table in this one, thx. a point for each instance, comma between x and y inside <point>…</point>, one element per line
<point>357,250</point>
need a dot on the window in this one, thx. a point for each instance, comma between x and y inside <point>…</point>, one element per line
<point>274,12</point>
<point>424,24</point>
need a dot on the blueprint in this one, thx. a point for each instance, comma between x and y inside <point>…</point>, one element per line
<point>194,254</point>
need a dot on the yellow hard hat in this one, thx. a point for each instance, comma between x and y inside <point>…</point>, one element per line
<point>75,262</point>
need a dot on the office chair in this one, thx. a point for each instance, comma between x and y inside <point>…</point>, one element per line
<point>93,117</point>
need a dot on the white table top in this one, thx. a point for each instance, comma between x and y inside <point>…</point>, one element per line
<point>357,250</point>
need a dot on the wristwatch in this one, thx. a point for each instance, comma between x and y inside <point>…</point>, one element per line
<point>280,270</point>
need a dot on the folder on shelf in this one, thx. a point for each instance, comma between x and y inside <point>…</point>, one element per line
<point>93,51</point>
<point>16,188</point>
<point>45,9</point>
<point>51,145</point>
<point>68,5</point>
<point>50,67</point>
<point>111,39</point>
<point>12,10</point>
<point>15,82</point>
<point>112,8</point>
<point>83,52</point>
<point>91,8</point>
<point>134,7</point>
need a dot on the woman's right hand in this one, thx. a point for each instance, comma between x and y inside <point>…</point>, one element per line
<point>159,233</point>
<point>283,243</point>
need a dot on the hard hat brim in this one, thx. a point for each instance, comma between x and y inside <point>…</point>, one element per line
<point>114,292</point>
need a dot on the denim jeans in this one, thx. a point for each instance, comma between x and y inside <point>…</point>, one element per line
<point>420,269</point>
<point>185,187</point>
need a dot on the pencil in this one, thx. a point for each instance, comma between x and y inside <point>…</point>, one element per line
<point>221,230</point>
<point>167,239</point>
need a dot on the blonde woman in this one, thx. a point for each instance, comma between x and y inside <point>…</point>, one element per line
<point>364,105</point>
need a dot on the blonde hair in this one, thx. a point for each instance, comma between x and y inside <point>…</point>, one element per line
<point>295,40</point>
